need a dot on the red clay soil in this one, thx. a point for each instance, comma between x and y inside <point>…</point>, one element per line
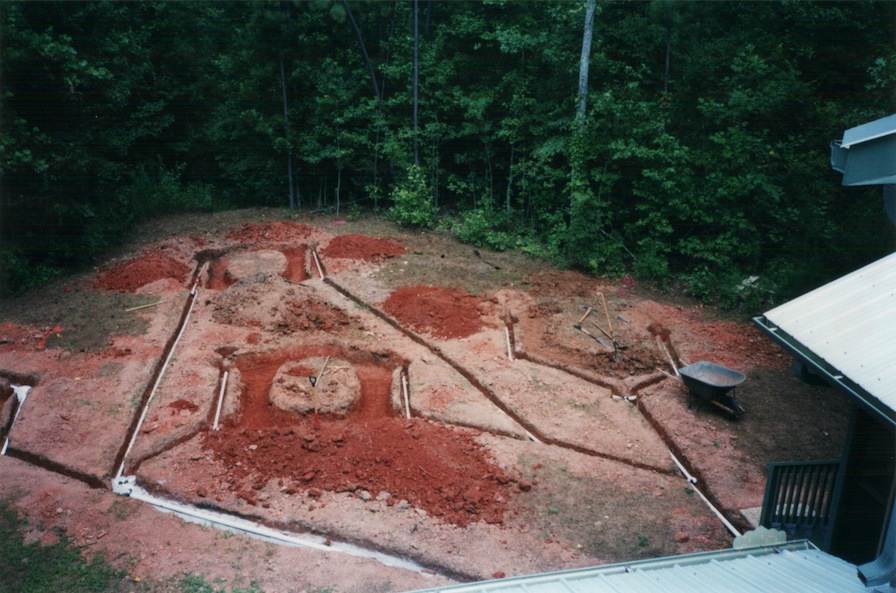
<point>439,312</point>
<point>142,271</point>
<point>440,470</point>
<point>14,336</point>
<point>218,277</point>
<point>270,232</point>
<point>295,264</point>
<point>362,247</point>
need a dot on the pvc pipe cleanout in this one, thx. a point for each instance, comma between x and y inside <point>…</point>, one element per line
<point>21,392</point>
<point>220,400</point>
<point>407,401</point>
<point>226,522</point>
<point>155,385</point>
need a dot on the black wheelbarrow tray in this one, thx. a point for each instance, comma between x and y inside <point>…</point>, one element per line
<point>712,383</point>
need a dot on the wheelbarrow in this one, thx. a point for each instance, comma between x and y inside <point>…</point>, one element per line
<point>712,383</point>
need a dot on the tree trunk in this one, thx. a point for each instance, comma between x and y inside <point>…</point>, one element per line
<point>585,61</point>
<point>416,80</point>
<point>371,72</point>
<point>509,184</point>
<point>292,196</point>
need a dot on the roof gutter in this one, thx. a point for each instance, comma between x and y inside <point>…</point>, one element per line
<point>821,368</point>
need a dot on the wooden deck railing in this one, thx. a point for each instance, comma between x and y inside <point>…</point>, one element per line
<point>798,497</point>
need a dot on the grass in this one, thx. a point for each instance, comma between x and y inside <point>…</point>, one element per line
<point>35,568</point>
<point>60,568</point>
<point>87,316</point>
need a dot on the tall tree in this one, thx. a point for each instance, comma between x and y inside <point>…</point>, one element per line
<point>585,61</point>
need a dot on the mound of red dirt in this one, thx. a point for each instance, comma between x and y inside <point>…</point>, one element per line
<point>131,275</point>
<point>440,312</point>
<point>362,247</point>
<point>270,232</point>
<point>437,469</point>
<point>370,452</point>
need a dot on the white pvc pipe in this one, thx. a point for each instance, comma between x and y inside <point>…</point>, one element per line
<point>156,385</point>
<point>687,476</point>
<point>716,512</point>
<point>693,481</point>
<point>222,521</point>
<point>407,401</point>
<point>509,349</point>
<point>531,436</point>
<point>320,271</point>
<point>21,392</point>
<point>220,400</point>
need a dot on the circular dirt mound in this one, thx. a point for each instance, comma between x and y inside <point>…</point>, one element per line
<point>362,247</point>
<point>337,390</point>
<point>270,232</point>
<point>440,312</point>
<point>142,271</point>
<point>256,302</point>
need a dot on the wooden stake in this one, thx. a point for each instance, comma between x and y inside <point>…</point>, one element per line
<point>143,306</point>
<point>314,392</point>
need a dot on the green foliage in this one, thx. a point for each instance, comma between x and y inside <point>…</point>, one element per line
<point>705,173</point>
<point>37,568</point>
<point>412,201</point>
<point>484,227</point>
<point>162,192</point>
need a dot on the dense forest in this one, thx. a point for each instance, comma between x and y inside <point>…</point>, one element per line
<point>675,141</point>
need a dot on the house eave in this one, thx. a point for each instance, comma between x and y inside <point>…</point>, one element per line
<point>824,370</point>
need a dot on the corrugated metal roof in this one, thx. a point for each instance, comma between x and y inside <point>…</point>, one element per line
<point>847,328</point>
<point>770,569</point>
<point>869,131</point>
<point>867,153</point>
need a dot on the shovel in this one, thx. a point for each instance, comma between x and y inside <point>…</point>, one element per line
<point>600,341</point>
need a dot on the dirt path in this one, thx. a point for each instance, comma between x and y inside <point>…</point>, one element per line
<point>530,446</point>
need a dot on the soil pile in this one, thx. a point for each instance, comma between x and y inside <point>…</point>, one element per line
<point>362,247</point>
<point>440,312</point>
<point>270,232</point>
<point>260,302</point>
<point>139,272</point>
<point>440,470</point>
<point>371,453</point>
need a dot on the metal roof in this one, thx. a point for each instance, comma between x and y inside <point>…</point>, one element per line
<point>796,566</point>
<point>869,131</point>
<point>867,153</point>
<point>846,331</point>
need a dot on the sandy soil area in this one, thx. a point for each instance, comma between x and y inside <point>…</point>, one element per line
<point>405,410</point>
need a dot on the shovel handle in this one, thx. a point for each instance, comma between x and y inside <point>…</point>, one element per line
<point>607,313</point>
<point>587,313</point>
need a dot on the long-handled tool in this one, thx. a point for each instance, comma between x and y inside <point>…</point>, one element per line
<point>600,341</point>
<point>587,313</point>
<point>313,379</point>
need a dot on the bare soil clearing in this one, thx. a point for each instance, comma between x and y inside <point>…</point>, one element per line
<point>457,419</point>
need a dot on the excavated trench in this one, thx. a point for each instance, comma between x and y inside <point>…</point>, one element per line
<point>289,439</point>
<point>619,388</point>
